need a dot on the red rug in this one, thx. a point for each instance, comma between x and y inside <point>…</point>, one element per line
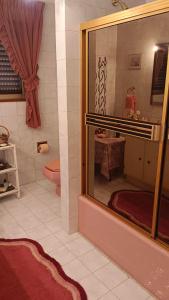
<point>137,206</point>
<point>27,272</point>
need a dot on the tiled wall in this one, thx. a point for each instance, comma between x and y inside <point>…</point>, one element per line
<point>12,115</point>
<point>68,60</point>
<point>69,15</point>
<point>151,32</point>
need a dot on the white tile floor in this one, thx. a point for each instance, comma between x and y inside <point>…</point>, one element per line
<point>37,216</point>
<point>103,188</point>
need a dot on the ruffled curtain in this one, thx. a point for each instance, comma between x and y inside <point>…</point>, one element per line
<point>20,33</point>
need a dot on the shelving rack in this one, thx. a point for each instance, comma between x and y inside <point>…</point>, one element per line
<point>12,169</point>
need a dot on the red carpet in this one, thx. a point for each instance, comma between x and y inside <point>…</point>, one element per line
<point>137,206</point>
<point>26,272</point>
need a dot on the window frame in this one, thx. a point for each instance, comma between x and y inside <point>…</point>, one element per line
<point>12,97</point>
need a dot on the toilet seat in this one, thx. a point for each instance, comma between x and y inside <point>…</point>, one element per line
<point>53,166</point>
<point>52,171</point>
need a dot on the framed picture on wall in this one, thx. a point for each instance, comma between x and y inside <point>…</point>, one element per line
<point>134,61</point>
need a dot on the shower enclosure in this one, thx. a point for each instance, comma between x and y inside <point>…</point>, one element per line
<point>125,148</point>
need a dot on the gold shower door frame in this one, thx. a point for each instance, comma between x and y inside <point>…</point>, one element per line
<point>143,11</point>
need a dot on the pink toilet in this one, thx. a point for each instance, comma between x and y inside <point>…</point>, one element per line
<point>52,172</point>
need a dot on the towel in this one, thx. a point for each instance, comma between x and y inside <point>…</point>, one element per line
<point>131,102</point>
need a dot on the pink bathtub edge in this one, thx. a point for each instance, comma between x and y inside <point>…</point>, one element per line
<point>141,257</point>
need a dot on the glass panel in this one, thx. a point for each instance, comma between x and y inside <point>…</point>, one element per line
<point>127,73</point>
<point>163,222</point>
<point>10,82</point>
<point>121,174</point>
<point>127,67</point>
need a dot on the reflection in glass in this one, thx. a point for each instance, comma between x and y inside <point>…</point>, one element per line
<point>127,71</point>
<point>163,220</point>
<point>122,173</point>
<point>122,61</point>
<point>159,73</point>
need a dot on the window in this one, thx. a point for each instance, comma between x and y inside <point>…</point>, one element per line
<point>11,88</point>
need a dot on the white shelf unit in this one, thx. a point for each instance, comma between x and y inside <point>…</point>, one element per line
<point>13,169</point>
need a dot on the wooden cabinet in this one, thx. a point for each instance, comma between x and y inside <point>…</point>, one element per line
<point>166,176</point>
<point>150,162</point>
<point>140,161</point>
<point>133,157</point>
<point>165,184</point>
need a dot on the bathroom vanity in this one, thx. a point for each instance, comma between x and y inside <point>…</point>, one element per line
<point>140,161</point>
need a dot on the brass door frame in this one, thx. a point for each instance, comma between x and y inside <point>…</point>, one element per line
<point>160,154</point>
<point>151,9</point>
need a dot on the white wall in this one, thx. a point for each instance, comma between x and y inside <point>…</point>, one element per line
<point>150,32</point>
<point>12,115</point>
<point>69,14</point>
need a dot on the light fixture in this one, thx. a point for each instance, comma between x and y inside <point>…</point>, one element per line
<point>121,3</point>
<point>155,48</point>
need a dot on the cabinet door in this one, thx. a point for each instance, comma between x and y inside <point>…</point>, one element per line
<point>166,170</point>
<point>150,162</point>
<point>134,157</point>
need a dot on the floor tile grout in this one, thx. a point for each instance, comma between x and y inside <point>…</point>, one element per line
<point>27,231</point>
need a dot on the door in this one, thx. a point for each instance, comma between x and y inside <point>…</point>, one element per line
<point>134,158</point>
<point>122,121</point>
<point>150,163</point>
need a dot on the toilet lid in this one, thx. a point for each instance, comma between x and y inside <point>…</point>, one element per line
<point>53,165</point>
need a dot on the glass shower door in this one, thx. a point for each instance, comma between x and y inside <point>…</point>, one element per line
<point>124,115</point>
<point>163,213</point>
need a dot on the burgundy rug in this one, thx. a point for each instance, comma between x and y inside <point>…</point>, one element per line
<point>137,206</point>
<point>27,272</point>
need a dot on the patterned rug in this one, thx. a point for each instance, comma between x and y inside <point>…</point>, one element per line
<point>27,272</point>
<point>137,206</point>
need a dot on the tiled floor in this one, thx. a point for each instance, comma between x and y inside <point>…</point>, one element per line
<point>103,188</point>
<point>37,216</point>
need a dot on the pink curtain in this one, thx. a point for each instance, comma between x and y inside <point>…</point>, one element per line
<point>20,33</point>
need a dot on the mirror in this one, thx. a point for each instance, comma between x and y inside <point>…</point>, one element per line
<point>124,65</point>
<point>159,73</point>
<point>163,216</point>
<point>127,70</point>
<point>122,174</point>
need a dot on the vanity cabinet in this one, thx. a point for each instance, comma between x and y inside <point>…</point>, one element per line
<point>166,170</point>
<point>133,157</point>
<point>150,162</point>
<point>166,175</point>
<point>140,160</point>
